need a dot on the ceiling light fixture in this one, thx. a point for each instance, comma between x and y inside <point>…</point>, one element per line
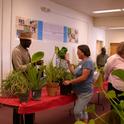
<point>107,11</point>
<point>115,28</point>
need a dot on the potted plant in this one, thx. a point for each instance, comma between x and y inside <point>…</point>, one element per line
<point>63,74</point>
<point>51,76</point>
<point>35,75</point>
<point>60,57</point>
<point>16,85</point>
<point>63,67</point>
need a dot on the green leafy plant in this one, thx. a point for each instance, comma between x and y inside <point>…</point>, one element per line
<point>34,72</point>
<point>60,57</point>
<point>51,73</point>
<point>34,76</point>
<point>37,56</point>
<point>118,106</point>
<point>15,84</point>
<point>61,52</point>
<point>56,74</point>
<point>119,73</point>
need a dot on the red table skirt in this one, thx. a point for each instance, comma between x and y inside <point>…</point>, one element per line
<point>32,106</point>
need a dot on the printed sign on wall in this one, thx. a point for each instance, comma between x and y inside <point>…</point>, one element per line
<point>46,31</point>
<point>28,25</point>
<point>53,32</point>
<point>70,35</point>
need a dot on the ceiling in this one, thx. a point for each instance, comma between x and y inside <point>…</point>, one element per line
<point>87,6</point>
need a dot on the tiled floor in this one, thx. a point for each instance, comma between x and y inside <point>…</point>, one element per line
<point>58,115</point>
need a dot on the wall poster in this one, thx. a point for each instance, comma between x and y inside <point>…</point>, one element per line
<point>46,31</point>
<point>28,25</point>
<point>53,32</point>
<point>70,35</point>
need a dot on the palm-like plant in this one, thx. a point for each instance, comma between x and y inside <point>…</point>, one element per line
<point>34,73</point>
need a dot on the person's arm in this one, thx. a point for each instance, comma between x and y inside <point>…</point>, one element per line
<point>71,67</point>
<point>97,60</point>
<point>81,78</point>
<point>108,69</point>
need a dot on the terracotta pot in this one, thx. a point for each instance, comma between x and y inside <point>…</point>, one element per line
<point>52,89</point>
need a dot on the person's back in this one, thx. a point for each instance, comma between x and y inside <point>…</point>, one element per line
<point>102,58</point>
<point>115,62</point>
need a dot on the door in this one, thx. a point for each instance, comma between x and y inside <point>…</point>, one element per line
<point>113,48</point>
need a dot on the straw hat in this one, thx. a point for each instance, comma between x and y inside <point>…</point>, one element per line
<point>25,35</point>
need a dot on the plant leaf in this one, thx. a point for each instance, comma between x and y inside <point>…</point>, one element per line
<point>91,121</point>
<point>121,104</point>
<point>62,52</point>
<point>122,94</point>
<point>119,73</point>
<point>99,81</point>
<point>37,56</point>
<point>111,94</point>
<point>56,50</point>
<point>90,109</point>
<point>79,122</point>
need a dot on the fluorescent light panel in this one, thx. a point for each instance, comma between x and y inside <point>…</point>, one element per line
<point>112,28</point>
<point>107,11</point>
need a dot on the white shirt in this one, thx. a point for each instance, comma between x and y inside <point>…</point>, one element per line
<point>114,62</point>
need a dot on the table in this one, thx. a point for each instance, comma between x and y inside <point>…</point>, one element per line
<point>32,106</point>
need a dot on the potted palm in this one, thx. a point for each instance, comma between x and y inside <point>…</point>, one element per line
<point>16,85</point>
<point>51,77</point>
<point>35,75</point>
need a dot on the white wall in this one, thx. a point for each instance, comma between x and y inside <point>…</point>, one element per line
<point>115,36</point>
<point>94,35</point>
<point>59,15</point>
<point>0,37</point>
<point>5,36</point>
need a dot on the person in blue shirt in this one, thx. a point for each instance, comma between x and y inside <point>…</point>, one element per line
<point>82,83</point>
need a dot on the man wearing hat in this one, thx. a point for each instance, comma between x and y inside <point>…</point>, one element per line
<point>20,59</point>
<point>20,54</point>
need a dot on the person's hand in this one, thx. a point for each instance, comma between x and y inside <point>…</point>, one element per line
<point>40,62</point>
<point>67,58</point>
<point>66,82</point>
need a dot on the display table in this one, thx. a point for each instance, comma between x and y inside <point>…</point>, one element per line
<point>46,102</point>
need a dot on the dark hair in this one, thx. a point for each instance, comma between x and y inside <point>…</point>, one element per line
<point>120,49</point>
<point>103,49</point>
<point>85,49</point>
